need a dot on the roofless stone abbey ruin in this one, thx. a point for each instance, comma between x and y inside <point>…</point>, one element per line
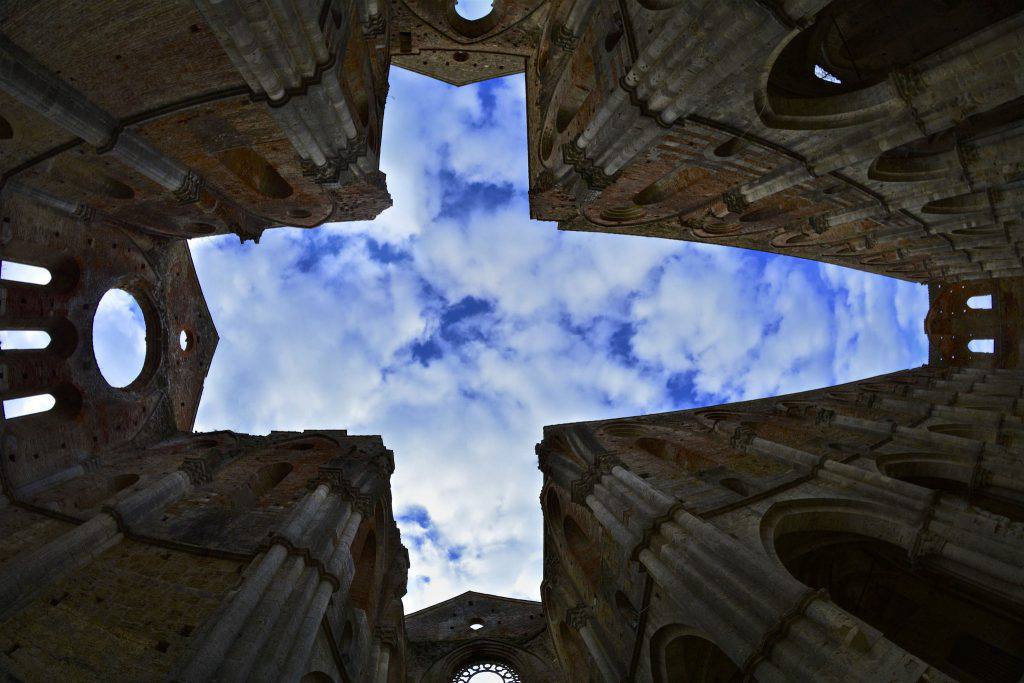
<point>871,531</point>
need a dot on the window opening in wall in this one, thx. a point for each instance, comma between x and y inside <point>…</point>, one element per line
<point>980,302</point>
<point>476,624</point>
<point>486,672</point>
<point>119,338</point>
<point>982,345</point>
<point>822,74</point>
<point>22,272</point>
<point>23,339</point>
<point>29,405</point>
<point>184,340</point>
<point>474,9</point>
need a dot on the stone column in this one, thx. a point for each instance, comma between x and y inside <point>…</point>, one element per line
<point>28,81</point>
<point>579,619</point>
<point>385,643</point>
<point>215,640</point>
<point>762,617</point>
<point>341,566</point>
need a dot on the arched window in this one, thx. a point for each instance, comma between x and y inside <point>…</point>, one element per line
<point>982,345</point>
<point>980,302</point>
<point>955,627</point>
<point>680,656</point>
<point>22,272</point>
<point>62,402</point>
<point>486,672</point>
<point>23,339</point>
<point>857,43</point>
<point>28,405</point>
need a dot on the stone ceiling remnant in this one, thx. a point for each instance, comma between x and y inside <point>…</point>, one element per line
<point>869,531</point>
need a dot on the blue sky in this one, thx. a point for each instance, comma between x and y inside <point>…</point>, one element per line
<point>457,328</point>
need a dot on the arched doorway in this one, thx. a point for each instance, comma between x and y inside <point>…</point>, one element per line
<point>955,627</point>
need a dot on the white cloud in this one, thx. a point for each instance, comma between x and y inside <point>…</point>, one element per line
<point>119,337</point>
<point>319,330</point>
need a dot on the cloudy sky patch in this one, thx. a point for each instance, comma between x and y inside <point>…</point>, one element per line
<point>457,328</point>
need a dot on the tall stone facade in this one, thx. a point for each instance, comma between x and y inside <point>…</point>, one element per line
<point>213,556</point>
<point>474,632</point>
<point>132,548</point>
<point>871,531</point>
<point>878,135</point>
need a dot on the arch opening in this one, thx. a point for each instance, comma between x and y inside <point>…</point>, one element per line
<point>968,634</point>
<point>952,477</point>
<point>980,302</point>
<point>854,44</point>
<point>28,405</point>
<point>486,672</point>
<point>14,271</point>
<point>471,10</point>
<point>681,656</point>
<point>23,340</point>
<point>982,345</point>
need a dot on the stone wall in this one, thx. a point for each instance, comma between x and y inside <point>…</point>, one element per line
<point>743,538</point>
<point>477,629</point>
<point>706,121</point>
<point>210,555</point>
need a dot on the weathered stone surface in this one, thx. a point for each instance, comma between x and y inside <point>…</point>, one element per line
<point>871,531</point>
